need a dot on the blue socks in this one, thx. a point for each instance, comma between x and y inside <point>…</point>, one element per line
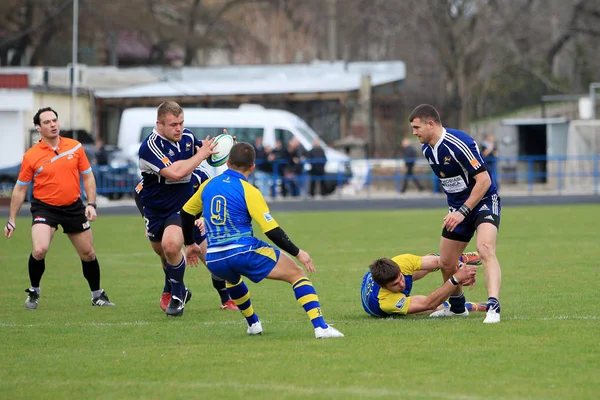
<point>306,296</point>
<point>241,297</point>
<point>493,303</point>
<point>457,304</point>
<point>175,273</point>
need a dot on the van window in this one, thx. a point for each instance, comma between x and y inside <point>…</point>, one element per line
<point>284,136</point>
<point>248,135</point>
<point>146,131</point>
<point>242,134</point>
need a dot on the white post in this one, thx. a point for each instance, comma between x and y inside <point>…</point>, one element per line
<point>74,71</point>
<point>593,87</point>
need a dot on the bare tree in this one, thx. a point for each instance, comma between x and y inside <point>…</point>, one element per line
<point>28,25</point>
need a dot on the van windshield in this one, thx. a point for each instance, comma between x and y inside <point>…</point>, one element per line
<point>242,134</point>
<point>308,133</point>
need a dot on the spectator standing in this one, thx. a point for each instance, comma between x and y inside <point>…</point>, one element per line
<point>410,155</point>
<point>489,151</point>
<point>316,158</point>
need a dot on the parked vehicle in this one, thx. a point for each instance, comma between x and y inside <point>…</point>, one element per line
<point>8,178</point>
<point>247,122</point>
<point>118,178</point>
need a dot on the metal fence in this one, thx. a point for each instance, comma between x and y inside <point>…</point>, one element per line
<point>530,175</point>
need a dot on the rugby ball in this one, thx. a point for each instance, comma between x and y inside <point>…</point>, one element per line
<point>224,143</point>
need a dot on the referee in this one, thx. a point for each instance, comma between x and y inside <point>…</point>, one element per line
<point>55,165</point>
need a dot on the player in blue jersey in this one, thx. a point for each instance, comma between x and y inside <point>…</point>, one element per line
<point>199,175</point>
<point>167,159</point>
<point>386,288</point>
<point>473,201</point>
<point>229,205</point>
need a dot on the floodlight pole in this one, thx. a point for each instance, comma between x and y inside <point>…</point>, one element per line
<point>332,31</point>
<point>74,72</point>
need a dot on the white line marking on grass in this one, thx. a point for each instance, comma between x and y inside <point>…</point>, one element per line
<point>319,391</point>
<point>299,321</point>
<point>109,256</point>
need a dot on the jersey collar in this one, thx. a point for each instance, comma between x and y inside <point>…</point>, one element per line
<point>163,138</point>
<point>46,146</point>
<point>235,174</point>
<point>439,142</point>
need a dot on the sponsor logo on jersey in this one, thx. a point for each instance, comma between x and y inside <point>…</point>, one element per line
<point>86,225</point>
<point>171,153</point>
<point>188,146</point>
<point>454,184</point>
<point>489,217</point>
<point>70,157</point>
<point>39,219</point>
<point>400,303</point>
<point>268,217</point>
<point>484,208</point>
<point>447,160</point>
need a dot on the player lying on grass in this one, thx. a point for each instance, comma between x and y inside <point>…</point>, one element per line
<point>386,288</point>
<point>229,205</point>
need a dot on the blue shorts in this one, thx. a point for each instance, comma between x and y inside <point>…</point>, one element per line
<point>488,211</point>
<point>254,261</point>
<point>156,227</point>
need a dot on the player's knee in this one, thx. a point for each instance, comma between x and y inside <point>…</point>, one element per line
<point>39,251</point>
<point>486,251</point>
<point>88,254</point>
<point>171,249</point>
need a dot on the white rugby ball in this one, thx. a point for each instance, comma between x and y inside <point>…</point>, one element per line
<point>224,143</point>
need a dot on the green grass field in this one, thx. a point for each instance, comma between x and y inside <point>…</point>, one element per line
<point>546,347</point>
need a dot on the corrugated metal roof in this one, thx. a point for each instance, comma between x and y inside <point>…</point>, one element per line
<point>317,77</point>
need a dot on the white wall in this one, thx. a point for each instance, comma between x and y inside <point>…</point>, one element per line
<point>13,132</point>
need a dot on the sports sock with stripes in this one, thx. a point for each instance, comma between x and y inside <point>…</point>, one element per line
<point>493,303</point>
<point>176,273</point>
<point>167,287</point>
<point>241,297</point>
<point>306,295</point>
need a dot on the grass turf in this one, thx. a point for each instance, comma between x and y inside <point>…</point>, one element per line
<point>546,346</point>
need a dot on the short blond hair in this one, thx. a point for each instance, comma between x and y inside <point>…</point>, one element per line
<point>168,107</point>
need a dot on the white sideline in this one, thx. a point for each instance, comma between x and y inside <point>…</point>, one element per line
<point>242,322</point>
<point>319,391</point>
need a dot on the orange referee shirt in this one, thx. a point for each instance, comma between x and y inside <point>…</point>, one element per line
<point>55,174</point>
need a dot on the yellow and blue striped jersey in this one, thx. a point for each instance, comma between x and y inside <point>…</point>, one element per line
<point>229,204</point>
<point>380,302</point>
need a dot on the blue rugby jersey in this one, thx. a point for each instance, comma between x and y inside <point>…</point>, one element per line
<point>229,204</point>
<point>162,195</point>
<point>455,159</point>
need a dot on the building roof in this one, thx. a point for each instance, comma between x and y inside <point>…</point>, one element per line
<point>316,77</point>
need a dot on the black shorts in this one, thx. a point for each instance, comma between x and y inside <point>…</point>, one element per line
<point>487,211</point>
<point>72,217</point>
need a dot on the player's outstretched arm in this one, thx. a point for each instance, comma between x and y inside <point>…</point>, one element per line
<point>281,240</point>
<point>420,304</point>
<point>182,168</point>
